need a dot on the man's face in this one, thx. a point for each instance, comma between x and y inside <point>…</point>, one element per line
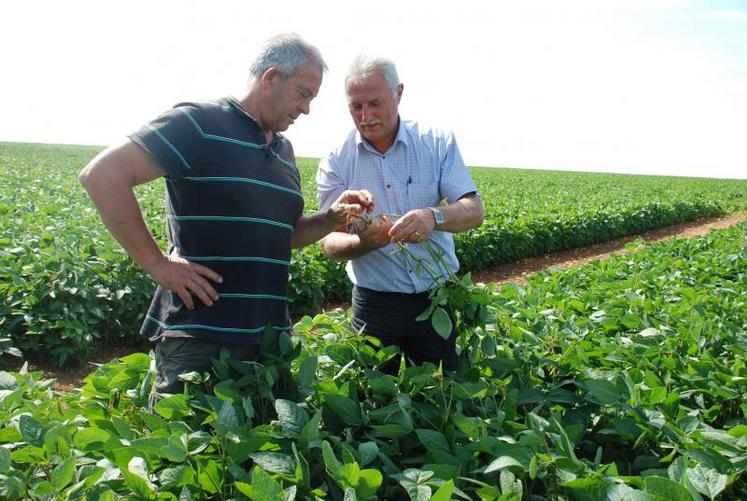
<point>288,98</point>
<point>374,109</point>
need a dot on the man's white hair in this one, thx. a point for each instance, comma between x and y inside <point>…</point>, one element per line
<point>365,66</point>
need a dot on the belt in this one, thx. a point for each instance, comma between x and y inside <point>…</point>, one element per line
<point>403,295</point>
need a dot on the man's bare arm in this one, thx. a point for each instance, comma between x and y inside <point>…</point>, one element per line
<point>109,179</point>
<point>417,225</point>
<point>348,206</point>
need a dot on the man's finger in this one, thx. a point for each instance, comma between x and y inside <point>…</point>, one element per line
<point>186,298</point>
<point>200,292</point>
<point>351,208</point>
<point>207,272</point>
<point>207,287</point>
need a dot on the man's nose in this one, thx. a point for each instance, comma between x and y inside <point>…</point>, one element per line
<point>364,114</point>
<point>305,107</point>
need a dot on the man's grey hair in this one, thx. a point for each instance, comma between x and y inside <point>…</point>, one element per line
<point>286,52</point>
<point>364,66</point>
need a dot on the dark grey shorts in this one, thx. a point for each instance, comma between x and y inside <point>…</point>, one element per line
<point>177,355</point>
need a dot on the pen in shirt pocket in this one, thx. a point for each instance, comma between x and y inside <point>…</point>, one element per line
<point>409,182</point>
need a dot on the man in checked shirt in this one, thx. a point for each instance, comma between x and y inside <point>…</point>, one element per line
<point>408,168</point>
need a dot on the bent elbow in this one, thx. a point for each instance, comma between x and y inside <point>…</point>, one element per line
<point>479,214</point>
<point>84,177</point>
<point>326,248</point>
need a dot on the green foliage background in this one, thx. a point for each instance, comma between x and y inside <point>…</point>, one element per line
<point>624,379</point>
<point>65,283</point>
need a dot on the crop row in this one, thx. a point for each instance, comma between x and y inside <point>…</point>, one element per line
<point>65,283</point>
<point>622,379</point>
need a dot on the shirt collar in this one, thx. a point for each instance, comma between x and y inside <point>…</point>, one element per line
<point>240,109</point>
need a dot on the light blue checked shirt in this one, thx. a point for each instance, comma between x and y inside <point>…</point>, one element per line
<point>420,169</point>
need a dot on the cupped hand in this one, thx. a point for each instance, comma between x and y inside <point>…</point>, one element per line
<point>350,205</point>
<point>414,227</point>
<point>376,234</point>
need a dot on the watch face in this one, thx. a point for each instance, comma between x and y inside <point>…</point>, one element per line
<point>438,215</point>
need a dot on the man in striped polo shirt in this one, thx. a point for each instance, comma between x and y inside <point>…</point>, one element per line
<point>409,169</point>
<point>234,211</point>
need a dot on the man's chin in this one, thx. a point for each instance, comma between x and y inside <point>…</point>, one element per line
<point>368,136</point>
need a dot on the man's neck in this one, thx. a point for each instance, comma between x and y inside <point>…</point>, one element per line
<point>250,104</point>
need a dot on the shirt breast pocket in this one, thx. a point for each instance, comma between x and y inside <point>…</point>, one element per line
<point>421,195</point>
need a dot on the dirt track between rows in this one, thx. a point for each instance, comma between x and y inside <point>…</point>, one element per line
<point>515,272</point>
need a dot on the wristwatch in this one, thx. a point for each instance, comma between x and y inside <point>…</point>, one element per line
<point>438,216</point>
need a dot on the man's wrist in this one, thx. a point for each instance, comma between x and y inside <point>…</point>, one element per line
<point>438,217</point>
<point>329,220</point>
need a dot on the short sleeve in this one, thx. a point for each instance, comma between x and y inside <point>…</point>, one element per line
<point>174,140</point>
<point>328,183</point>
<point>455,178</point>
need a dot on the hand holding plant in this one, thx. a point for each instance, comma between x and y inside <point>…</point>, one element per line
<point>350,205</point>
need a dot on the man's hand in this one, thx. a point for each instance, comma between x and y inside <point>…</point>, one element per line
<point>376,234</point>
<point>350,205</point>
<point>414,227</point>
<point>185,278</point>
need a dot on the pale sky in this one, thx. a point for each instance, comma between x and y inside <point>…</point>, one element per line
<point>640,86</point>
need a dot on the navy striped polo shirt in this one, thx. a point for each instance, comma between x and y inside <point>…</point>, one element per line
<point>231,204</point>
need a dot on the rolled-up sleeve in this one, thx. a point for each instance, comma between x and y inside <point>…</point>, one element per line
<point>328,183</point>
<point>455,179</point>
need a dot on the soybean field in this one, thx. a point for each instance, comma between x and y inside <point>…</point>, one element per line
<point>65,283</point>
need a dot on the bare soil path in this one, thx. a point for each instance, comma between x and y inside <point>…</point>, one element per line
<point>72,377</point>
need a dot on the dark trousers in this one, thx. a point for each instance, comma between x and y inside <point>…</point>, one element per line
<point>390,317</point>
<point>177,355</point>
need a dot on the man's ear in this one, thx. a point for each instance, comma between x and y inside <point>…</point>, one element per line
<point>269,78</point>
<point>400,88</point>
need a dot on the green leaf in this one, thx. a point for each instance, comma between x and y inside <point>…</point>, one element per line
<point>441,322</point>
<point>664,489</point>
<point>182,475</point>
<point>603,391</point>
<point>309,435</point>
<point>137,479</point>
<point>707,480</point>
<point>367,452</point>
<point>12,487</point>
<point>4,459</point>
<point>274,462</point>
<point>210,475</point>
<point>433,441</point>
<point>621,492</point>
<point>510,486</point>
<point>444,492</point>
<point>89,439</point>
<point>245,489</point>
<point>264,488</point>
<point>330,461</point>
<point>307,371</point>
<point>63,474</point>
<point>174,407</point>
<point>345,408</point>
<point>32,430</point>
<point>292,418</point>
<point>7,381</point>
<point>650,332</point>
<point>228,420</point>
<point>369,481</point>
<point>501,463</point>
<point>585,489</point>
